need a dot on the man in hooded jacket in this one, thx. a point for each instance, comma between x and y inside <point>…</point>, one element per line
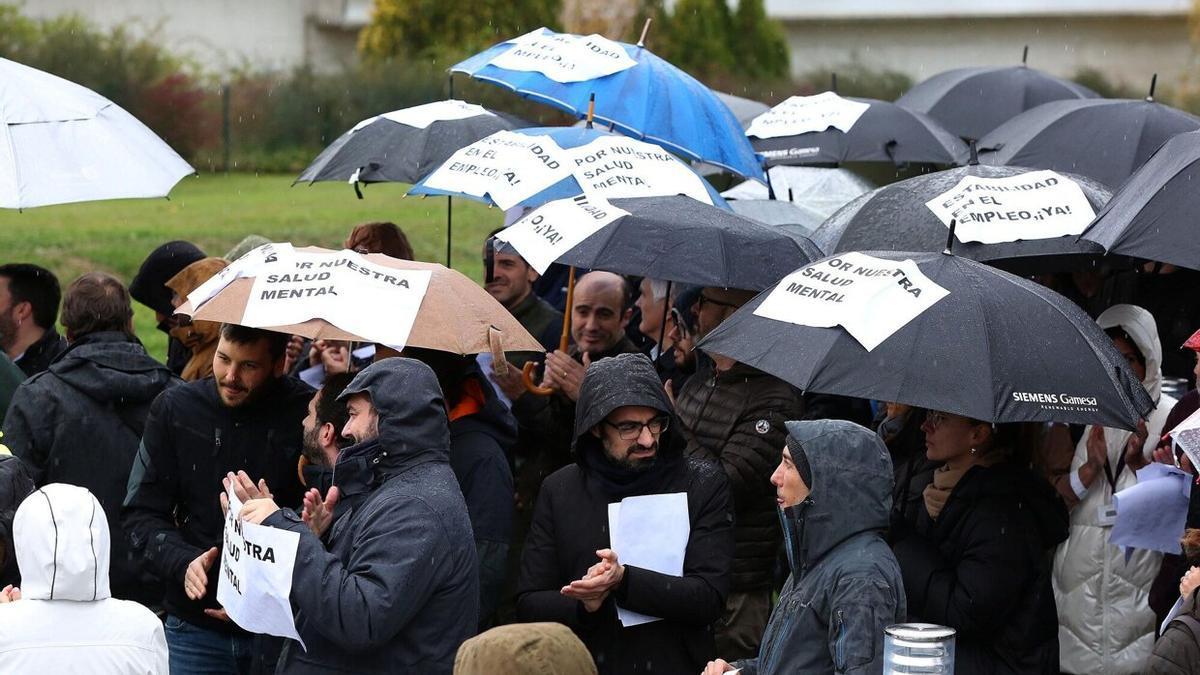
<point>100,390</point>
<point>392,586</point>
<point>569,574</point>
<point>834,488</point>
<point>64,620</point>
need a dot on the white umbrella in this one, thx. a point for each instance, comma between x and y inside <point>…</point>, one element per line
<point>62,143</point>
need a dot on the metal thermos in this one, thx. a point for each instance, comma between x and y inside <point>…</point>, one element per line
<point>918,648</point>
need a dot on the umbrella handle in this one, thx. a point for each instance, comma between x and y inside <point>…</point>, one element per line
<point>527,380</point>
<point>564,341</point>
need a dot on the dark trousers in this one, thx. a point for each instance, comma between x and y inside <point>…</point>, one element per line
<point>200,651</point>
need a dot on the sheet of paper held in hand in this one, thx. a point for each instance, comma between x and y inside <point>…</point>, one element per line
<point>1034,205</point>
<point>563,57</point>
<point>256,575</point>
<point>870,297</point>
<point>1186,436</point>
<point>1152,514</point>
<point>650,532</point>
<point>556,227</point>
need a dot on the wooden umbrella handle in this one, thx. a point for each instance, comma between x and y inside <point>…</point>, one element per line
<point>564,341</point>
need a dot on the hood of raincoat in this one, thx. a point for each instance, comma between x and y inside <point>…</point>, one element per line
<point>111,366</point>
<point>851,490</point>
<point>525,648</point>
<point>61,539</point>
<point>616,382</point>
<point>1140,326</point>
<point>413,428</point>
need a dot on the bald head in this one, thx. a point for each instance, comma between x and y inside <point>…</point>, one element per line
<point>599,313</point>
<point>715,305</point>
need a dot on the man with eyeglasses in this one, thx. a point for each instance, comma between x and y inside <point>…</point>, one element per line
<point>734,414</point>
<point>627,444</point>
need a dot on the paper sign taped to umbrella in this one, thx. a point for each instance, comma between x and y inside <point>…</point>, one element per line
<point>374,302</point>
<point>870,297</point>
<point>255,582</point>
<point>1186,437</point>
<point>421,116</point>
<point>613,167</point>
<point>506,167</point>
<point>563,57</point>
<point>246,266</point>
<point>1034,205</point>
<point>1152,514</point>
<point>650,532</point>
<point>804,114</point>
<point>556,227</point>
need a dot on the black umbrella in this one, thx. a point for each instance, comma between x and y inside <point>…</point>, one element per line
<point>970,102</point>
<point>385,149</point>
<point>1153,216</point>
<point>1101,138</point>
<point>895,218</point>
<point>997,347</point>
<point>682,240</point>
<point>884,133</point>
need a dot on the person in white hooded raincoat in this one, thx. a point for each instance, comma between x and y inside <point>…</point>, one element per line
<point>66,620</point>
<point>1106,626</point>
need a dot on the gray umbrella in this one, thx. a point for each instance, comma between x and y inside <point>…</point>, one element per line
<point>788,217</point>
<point>970,102</point>
<point>1153,216</point>
<point>997,348</point>
<point>1101,138</point>
<point>895,218</point>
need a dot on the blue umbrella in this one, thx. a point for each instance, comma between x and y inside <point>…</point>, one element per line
<point>653,100</point>
<point>565,137</point>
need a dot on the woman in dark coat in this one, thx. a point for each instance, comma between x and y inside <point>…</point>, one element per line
<point>976,559</point>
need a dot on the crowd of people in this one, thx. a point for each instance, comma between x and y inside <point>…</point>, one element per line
<point>451,518</point>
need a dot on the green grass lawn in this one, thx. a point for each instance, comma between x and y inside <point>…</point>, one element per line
<point>216,212</point>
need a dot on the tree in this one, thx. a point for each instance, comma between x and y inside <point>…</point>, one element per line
<point>436,29</point>
<point>758,44</point>
<point>699,38</point>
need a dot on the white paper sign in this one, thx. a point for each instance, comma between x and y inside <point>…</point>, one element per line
<point>1186,436</point>
<point>374,302</point>
<point>246,266</point>
<point>804,114</point>
<point>256,575</point>
<point>421,116</point>
<point>870,297</point>
<point>650,532</point>
<point>563,57</point>
<point>613,167</point>
<point>1034,205</point>
<point>556,227</point>
<point>506,167</point>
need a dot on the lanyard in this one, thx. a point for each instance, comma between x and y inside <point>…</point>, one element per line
<point>1112,480</point>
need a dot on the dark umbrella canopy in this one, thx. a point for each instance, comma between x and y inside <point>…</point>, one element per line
<point>997,348</point>
<point>682,240</point>
<point>1101,138</point>
<point>895,218</point>
<point>385,151</point>
<point>969,102</point>
<point>1154,215</point>
<point>885,133</point>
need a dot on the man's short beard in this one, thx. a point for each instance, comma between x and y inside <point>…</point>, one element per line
<point>640,464</point>
<point>312,450</point>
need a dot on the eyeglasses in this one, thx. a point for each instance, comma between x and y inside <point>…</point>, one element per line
<point>631,430</point>
<point>682,325</point>
<point>704,298</point>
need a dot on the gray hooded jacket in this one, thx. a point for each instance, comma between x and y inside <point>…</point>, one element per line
<point>845,586</point>
<point>394,587</point>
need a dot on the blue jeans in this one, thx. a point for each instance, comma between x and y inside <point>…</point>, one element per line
<point>200,651</point>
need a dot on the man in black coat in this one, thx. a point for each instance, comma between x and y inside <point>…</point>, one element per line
<point>392,586</point>
<point>29,297</point>
<point>625,446</point>
<point>248,417</point>
<point>79,422</point>
<point>149,287</point>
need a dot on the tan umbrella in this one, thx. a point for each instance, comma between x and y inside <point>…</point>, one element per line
<point>455,315</point>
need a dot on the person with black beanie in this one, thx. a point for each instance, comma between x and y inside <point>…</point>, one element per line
<point>149,288</point>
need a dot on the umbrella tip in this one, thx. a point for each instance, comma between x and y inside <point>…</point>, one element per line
<point>1025,56</point>
<point>645,29</point>
<point>1153,82</point>
<point>974,160</point>
<point>591,114</point>
<point>950,238</point>
<point>833,82</point>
